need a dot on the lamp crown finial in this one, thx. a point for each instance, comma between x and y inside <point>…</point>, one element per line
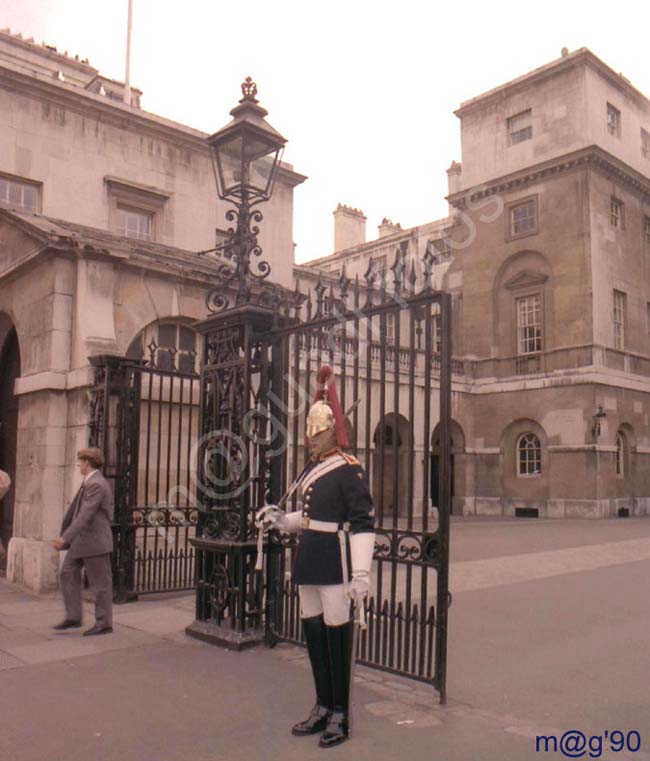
<point>249,89</point>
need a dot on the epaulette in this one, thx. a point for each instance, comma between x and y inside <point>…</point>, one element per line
<point>350,459</point>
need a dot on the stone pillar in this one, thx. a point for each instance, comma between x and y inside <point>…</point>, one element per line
<point>40,479</point>
<point>65,314</point>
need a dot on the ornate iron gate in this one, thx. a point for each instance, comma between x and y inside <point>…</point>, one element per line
<point>391,354</point>
<point>145,419</point>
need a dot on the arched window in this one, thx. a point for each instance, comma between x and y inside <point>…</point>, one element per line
<point>620,455</point>
<point>529,455</point>
<point>385,435</point>
<point>168,345</point>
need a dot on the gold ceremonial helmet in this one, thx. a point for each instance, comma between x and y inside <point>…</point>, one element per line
<point>319,418</point>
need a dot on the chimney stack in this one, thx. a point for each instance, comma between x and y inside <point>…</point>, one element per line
<point>349,227</point>
<point>387,227</point>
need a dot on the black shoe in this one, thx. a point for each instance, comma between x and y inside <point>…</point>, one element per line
<point>336,731</point>
<point>67,624</point>
<point>96,629</point>
<point>314,723</point>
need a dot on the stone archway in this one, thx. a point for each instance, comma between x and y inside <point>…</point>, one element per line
<point>388,492</point>
<point>9,371</point>
<point>457,453</point>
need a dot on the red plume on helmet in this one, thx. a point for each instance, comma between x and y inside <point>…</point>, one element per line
<point>326,391</point>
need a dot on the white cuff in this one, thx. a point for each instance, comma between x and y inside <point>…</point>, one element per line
<point>292,522</point>
<point>362,547</point>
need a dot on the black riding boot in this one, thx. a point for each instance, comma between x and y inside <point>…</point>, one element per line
<point>316,638</point>
<point>339,640</point>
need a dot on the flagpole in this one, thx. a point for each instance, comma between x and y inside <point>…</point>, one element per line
<point>127,76</point>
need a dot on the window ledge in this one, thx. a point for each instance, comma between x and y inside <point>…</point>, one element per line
<point>134,187</point>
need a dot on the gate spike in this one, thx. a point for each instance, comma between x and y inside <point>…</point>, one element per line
<point>398,269</point>
<point>428,259</point>
<point>344,284</point>
<point>297,300</point>
<point>370,274</point>
<point>319,290</point>
<point>413,277</point>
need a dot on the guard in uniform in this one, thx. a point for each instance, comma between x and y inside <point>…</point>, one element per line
<point>333,559</point>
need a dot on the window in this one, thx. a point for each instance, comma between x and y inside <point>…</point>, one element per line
<point>172,346</point>
<point>523,218</point>
<point>441,250</point>
<point>529,456</point>
<point>520,127</point>
<point>390,328</point>
<point>176,348</point>
<point>645,143</point>
<point>135,211</point>
<point>613,120</point>
<point>436,332</point>
<point>620,455</point>
<point>529,324</point>
<point>19,194</point>
<point>619,319</point>
<point>134,223</point>
<point>616,212</point>
<point>379,264</point>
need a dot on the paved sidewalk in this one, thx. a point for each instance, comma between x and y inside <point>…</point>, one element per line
<point>149,693</point>
<point>546,635</point>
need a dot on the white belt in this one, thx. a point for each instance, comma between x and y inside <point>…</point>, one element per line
<point>327,526</point>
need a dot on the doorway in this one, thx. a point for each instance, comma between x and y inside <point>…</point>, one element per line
<point>9,371</point>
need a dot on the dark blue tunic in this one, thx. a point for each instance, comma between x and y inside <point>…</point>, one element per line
<point>335,490</point>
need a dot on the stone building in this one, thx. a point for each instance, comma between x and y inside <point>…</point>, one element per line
<point>546,251</point>
<point>103,207</point>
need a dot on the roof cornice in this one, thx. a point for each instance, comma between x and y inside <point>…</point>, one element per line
<point>111,111</point>
<point>592,156</point>
<point>118,114</point>
<point>583,56</point>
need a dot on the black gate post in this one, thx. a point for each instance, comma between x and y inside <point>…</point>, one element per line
<point>444,498</point>
<point>232,467</point>
<point>278,442</point>
<point>114,429</point>
<point>231,476</point>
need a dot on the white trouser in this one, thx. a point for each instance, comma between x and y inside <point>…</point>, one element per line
<point>329,599</point>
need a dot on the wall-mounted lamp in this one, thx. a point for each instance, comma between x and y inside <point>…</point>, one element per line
<point>600,414</point>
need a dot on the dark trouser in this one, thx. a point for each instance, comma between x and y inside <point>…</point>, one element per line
<point>100,579</point>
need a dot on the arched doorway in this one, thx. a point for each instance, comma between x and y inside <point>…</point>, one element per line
<point>9,371</point>
<point>457,443</point>
<point>392,438</point>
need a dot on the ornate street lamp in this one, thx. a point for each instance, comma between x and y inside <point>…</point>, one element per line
<point>240,378</point>
<point>245,157</point>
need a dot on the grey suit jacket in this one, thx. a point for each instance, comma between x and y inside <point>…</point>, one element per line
<point>89,533</point>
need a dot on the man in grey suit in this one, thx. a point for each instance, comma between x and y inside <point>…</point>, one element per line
<point>86,534</point>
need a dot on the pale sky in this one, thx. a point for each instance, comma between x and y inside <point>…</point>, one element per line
<point>363,91</point>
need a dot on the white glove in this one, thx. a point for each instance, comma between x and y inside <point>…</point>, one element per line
<point>361,550</point>
<point>270,518</point>
<point>359,586</point>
